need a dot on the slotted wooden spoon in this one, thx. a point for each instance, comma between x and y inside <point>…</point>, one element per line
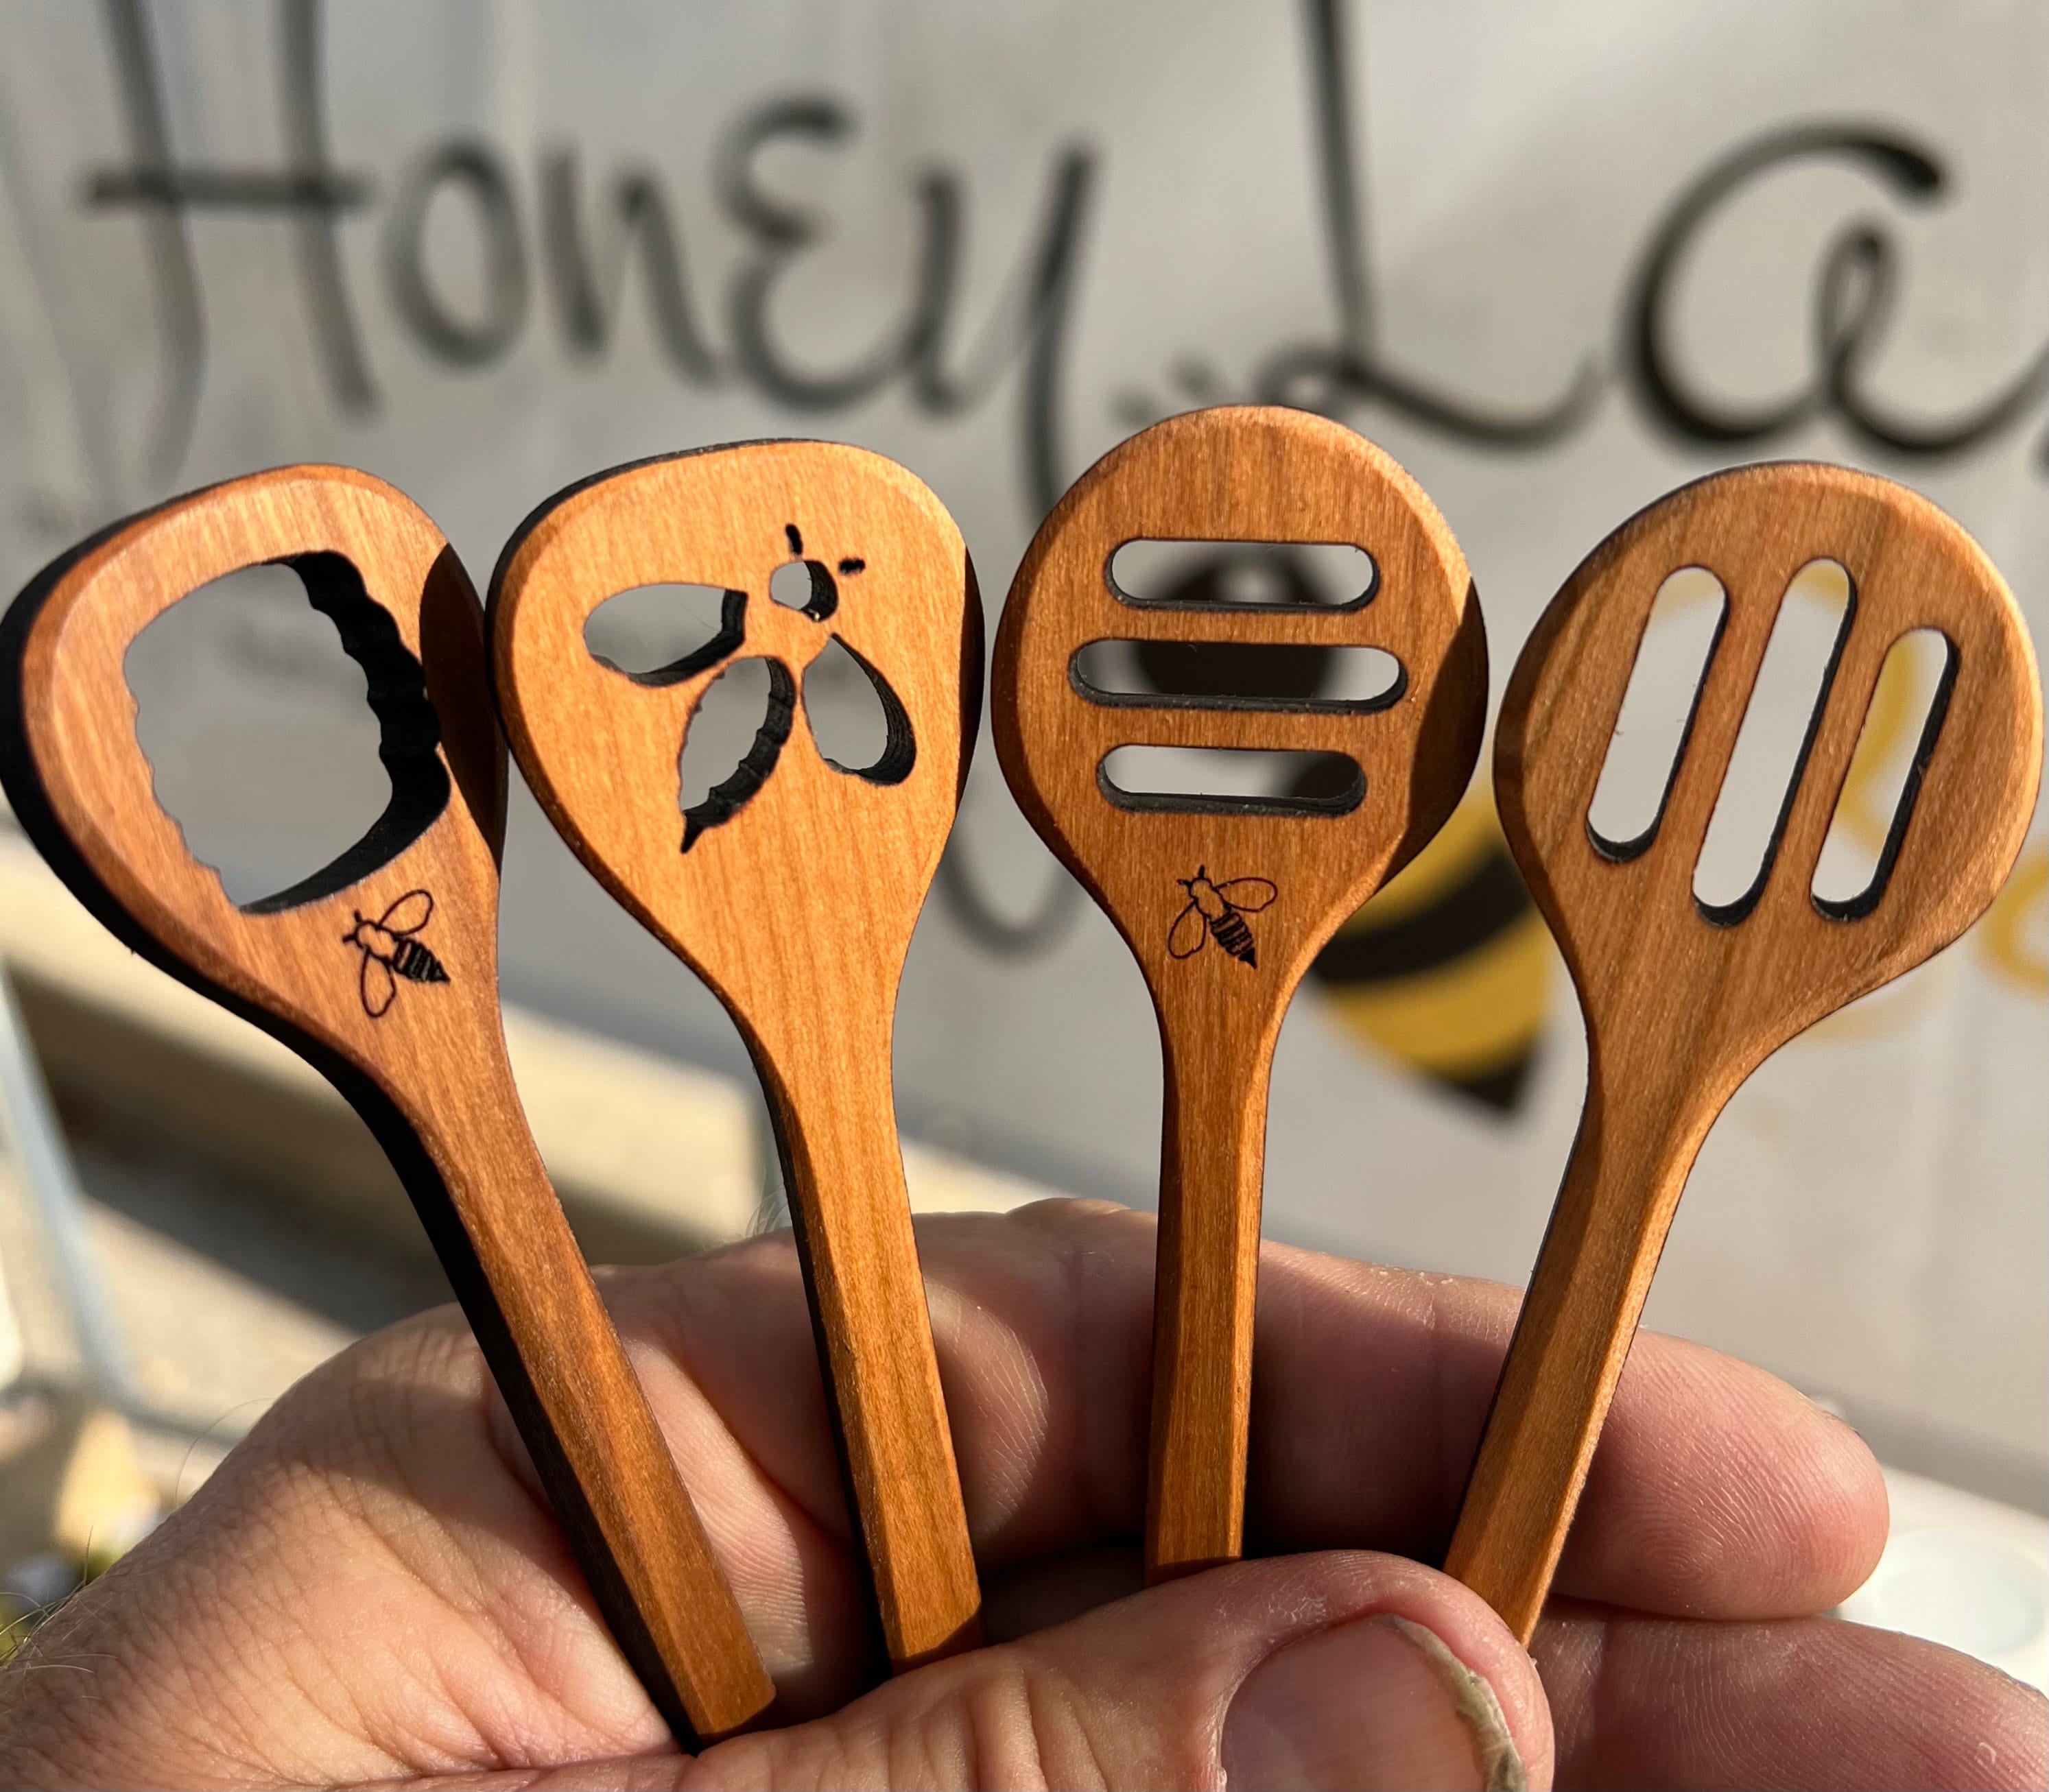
<point>1224,903</point>
<point>381,971</point>
<point>792,889</point>
<point>1681,1008</point>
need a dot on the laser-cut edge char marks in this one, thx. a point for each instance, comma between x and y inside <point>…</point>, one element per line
<point>822,597</point>
<point>804,946</point>
<point>1779,647</point>
<point>899,757</point>
<point>1321,790</point>
<point>731,633</point>
<point>409,728</point>
<point>1328,783</point>
<point>732,793</point>
<point>1455,995</point>
<point>740,786</point>
<point>431,1080</point>
<point>1187,593</point>
<point>1620,850</point>
<point>1247,655</point>
<point>1734,912</point>
<point>1225,475</point>
<point>1226,671</point>
<point>1679,1012</point>
<point>1860,902</point>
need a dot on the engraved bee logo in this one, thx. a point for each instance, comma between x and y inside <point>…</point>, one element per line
<point>389,952</point>
<point>1217,911</point>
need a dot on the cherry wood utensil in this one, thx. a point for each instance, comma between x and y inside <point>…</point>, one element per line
<point>1224,903</point>
<point>791,889</point>
<point>1682,1003</point>
<point>381,971</point>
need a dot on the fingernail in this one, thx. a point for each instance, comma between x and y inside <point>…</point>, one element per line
<point>1380,1702</point>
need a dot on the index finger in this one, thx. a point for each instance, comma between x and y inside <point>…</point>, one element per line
<point>1718,1491</point>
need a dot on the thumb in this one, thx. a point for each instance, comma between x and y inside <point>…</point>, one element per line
<point>1323,1670</point>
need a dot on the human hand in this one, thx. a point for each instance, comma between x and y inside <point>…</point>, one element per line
<point>372,1587</point>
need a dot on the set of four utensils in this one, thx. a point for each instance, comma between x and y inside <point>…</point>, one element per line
<point>792,887</point>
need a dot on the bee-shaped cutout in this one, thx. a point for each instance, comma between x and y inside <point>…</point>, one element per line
<point>821,599</point>
<point>1217,911</point>
<point>389,952</point>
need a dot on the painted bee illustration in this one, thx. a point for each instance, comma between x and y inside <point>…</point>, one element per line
<point>1449,970</point>
<point>390,951</point>
<point>1217,911</point>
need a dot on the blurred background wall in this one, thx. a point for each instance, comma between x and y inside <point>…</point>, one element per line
<point>1557,258</point>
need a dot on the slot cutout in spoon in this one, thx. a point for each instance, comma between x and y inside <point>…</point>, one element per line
<point>1150,573</point>
<point>1657,713</point>
<point>1900,730</point>
<point>1679,1013</point>
<point>1779,721</point>
<point>1237,675</point>
<point>1231,780</point>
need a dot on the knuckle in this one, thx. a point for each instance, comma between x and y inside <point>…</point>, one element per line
<point>1000,1718</point>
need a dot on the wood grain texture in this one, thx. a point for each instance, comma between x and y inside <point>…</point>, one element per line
<point>1679,1008</point>
<point>797,909</point>
<point>403,1018</point>
<point>1253,475</point>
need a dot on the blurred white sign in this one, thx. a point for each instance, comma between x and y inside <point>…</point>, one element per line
<point>1557,258</point>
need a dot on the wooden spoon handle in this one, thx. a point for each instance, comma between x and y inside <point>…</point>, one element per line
<point>835,1125</point>
<point>1212,1164</point>
<point>1622,1186</point>
<point>487,1203</point>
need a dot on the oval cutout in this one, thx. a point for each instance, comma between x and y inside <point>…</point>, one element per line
<point>1908,704</point>
<point>660,635</point>
<point>859,725</point>
<point>1237,675</point>
<point>1231,780</point>
<point>288,730</point>
<point>1242,575</point>
<point>1657,713</point>
<point>1770,754</point>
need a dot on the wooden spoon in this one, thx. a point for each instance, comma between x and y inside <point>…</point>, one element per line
<point>1224,903</point>
<point>1681,1008</point>
<point>791,889</point>
<point>381,972</point>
